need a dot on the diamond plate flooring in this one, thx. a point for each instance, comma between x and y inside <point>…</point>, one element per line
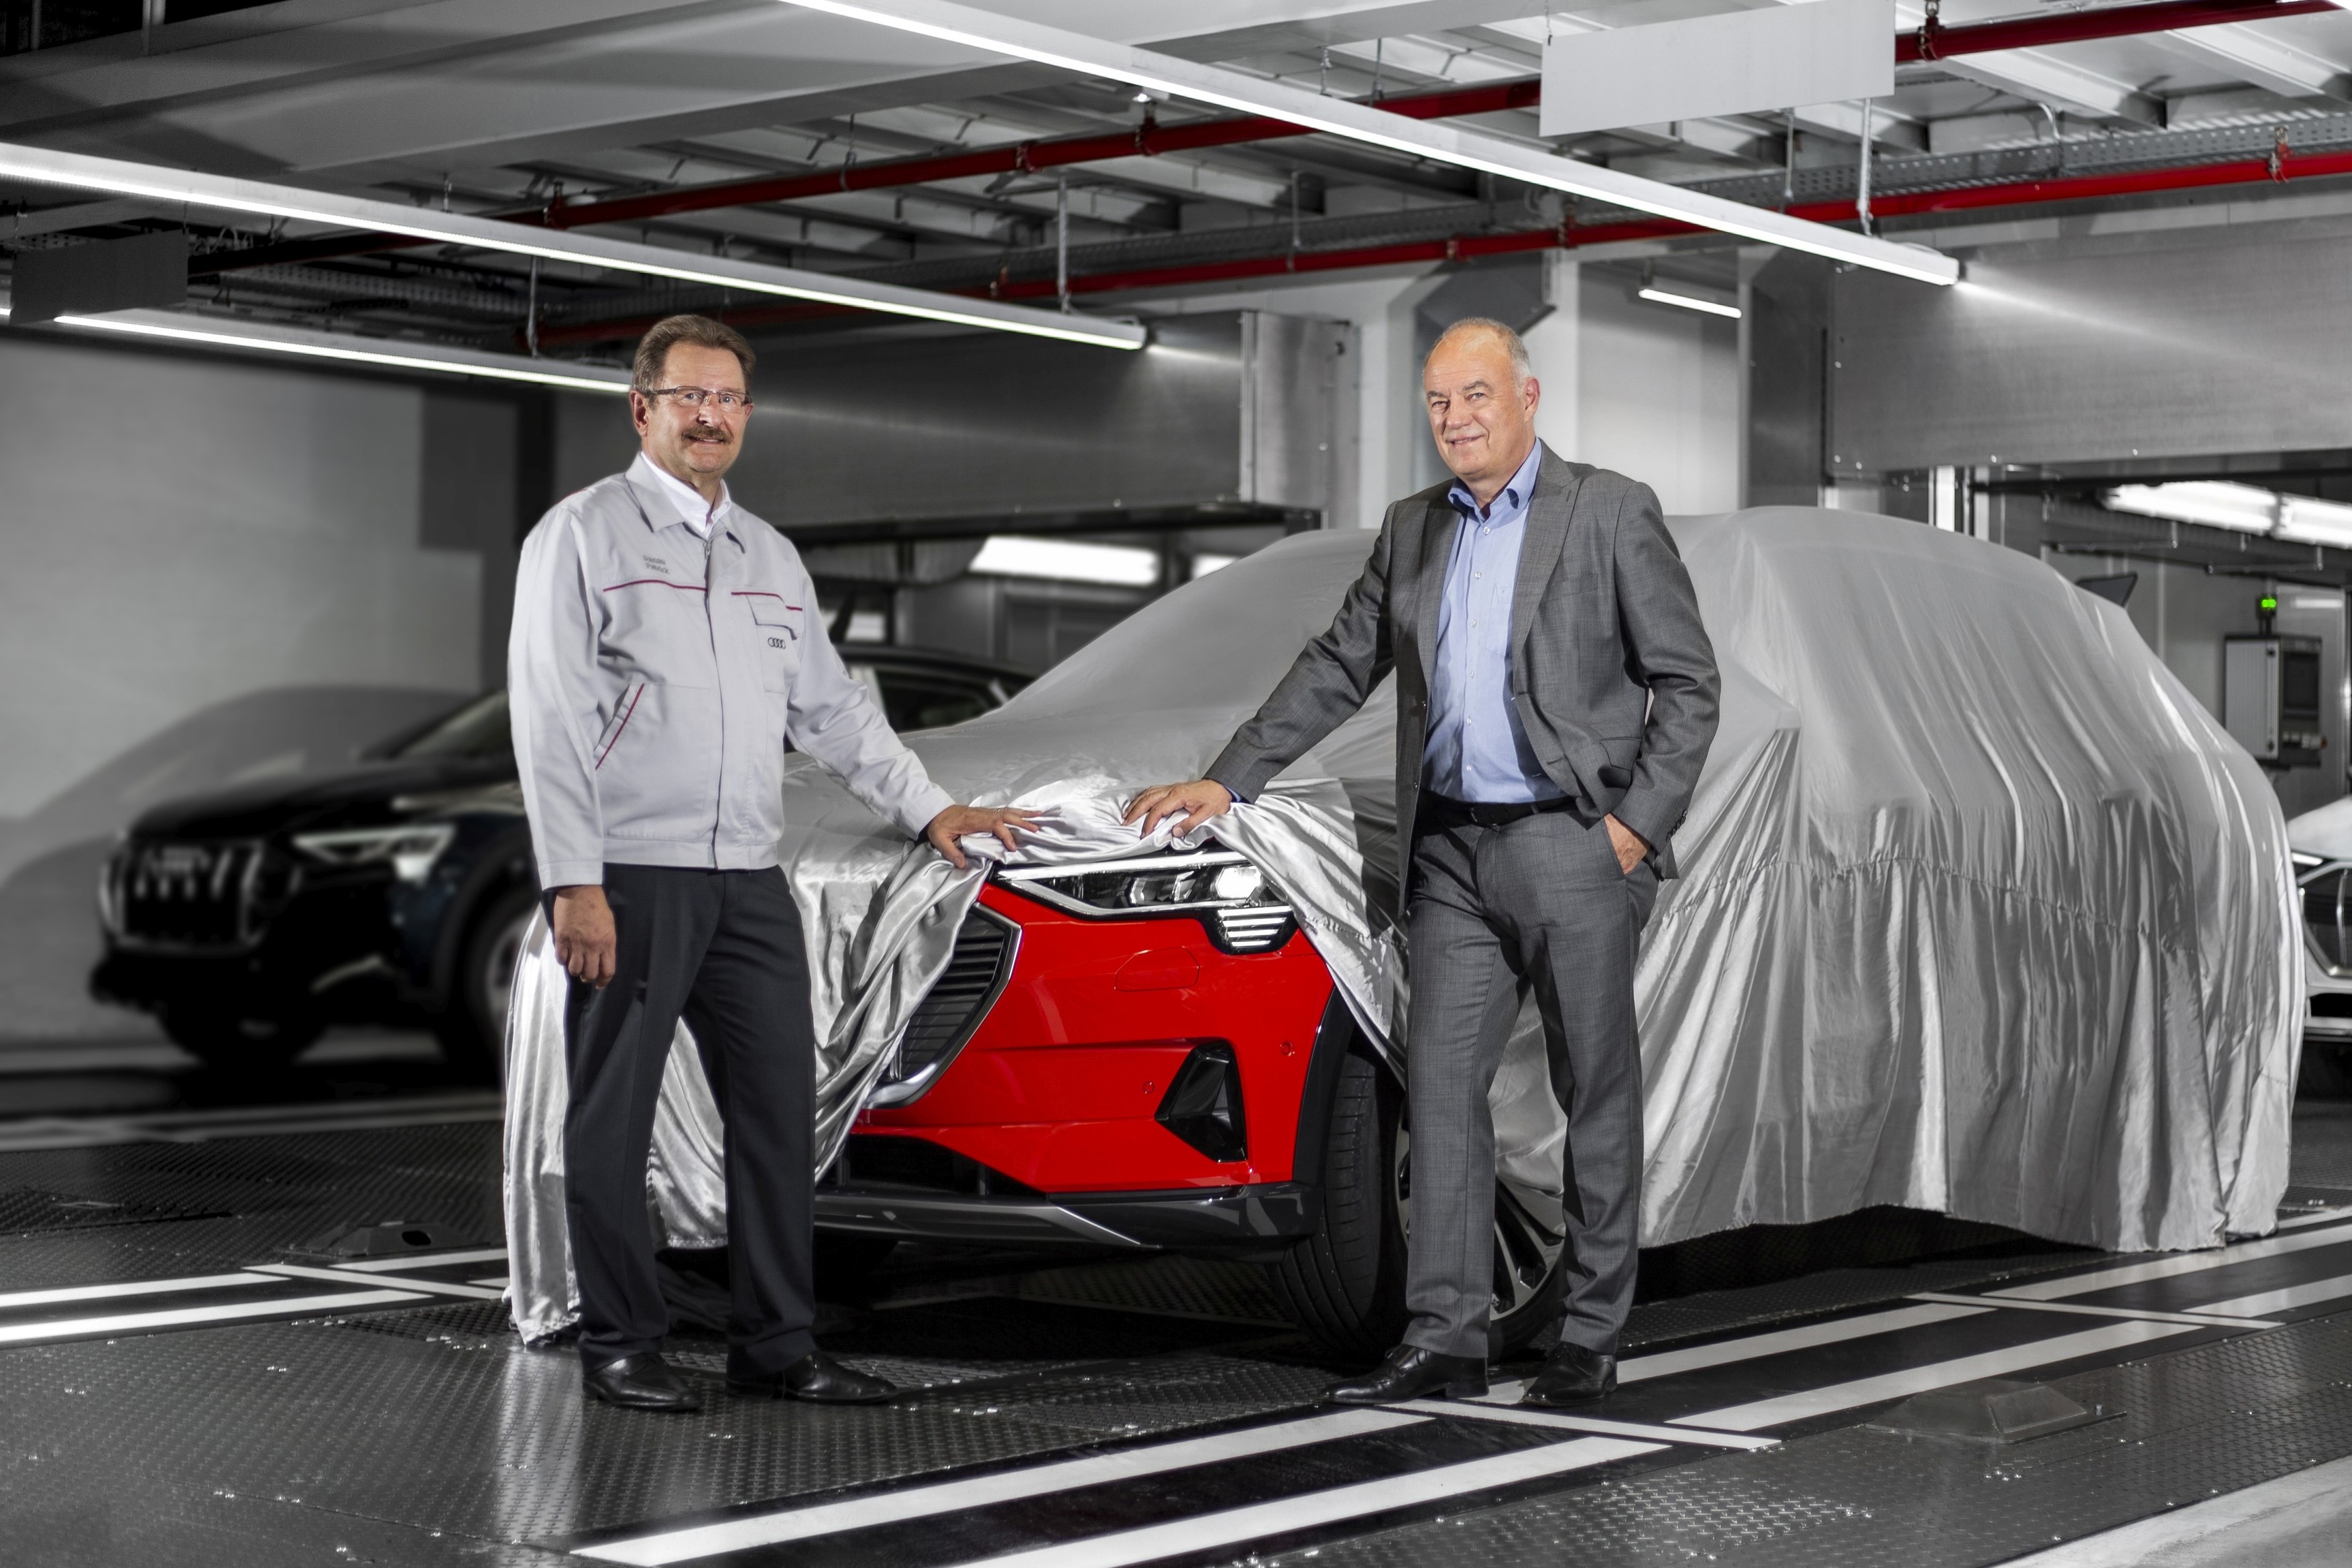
<point>167,1398</point>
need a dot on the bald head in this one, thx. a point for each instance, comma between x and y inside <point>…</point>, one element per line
<point>1481,393</point>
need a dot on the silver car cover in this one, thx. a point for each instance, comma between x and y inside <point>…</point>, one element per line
<point>1980,911</point>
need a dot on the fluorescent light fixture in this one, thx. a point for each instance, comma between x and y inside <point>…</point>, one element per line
<point>2311,522</point>
<point>264,337</point>
<point>2247,508</point>
<point>1203,565</point>
<point>1464,149</point>
<point>2217,504</point>
<point>1068,560</point>
<point>1689,302</point>
<point>186,188</point>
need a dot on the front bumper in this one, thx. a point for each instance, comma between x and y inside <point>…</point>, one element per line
<point>1192,1219</point>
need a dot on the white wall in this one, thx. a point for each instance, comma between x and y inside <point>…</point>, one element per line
<point>216,569</point>
<point>1647,390</point>
<point>182,531</point>
<point>1658,396</point>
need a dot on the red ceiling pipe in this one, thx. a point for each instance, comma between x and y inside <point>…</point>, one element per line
<point>2282,165</point>
<point>1933,41</point>
<point>1148,139</point>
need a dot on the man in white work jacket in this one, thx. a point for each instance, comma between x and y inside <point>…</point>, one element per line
<point>667,645</point>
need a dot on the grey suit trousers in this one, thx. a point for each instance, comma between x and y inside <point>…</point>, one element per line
<point>1539,906</point>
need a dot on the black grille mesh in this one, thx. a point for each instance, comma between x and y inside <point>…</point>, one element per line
<point>953,1007</point>
<point>2324,912</point>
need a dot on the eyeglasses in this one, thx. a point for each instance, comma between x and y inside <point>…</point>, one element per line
<point>696,397</point>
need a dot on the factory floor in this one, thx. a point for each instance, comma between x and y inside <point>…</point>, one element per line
<point>190,1372</point>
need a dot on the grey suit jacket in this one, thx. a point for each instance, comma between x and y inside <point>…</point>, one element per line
<point>1612,673</point>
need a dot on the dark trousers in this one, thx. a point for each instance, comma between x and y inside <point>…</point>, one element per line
<point>724,949</point>
<point>1536,906</point>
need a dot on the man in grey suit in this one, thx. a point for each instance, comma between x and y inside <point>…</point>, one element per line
<point>1556,695</point>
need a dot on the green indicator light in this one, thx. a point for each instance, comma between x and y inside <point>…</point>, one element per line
<point>2267,603</point>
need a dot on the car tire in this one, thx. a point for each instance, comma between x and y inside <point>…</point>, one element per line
<point>232,1040</point>
<point>472,1027</point>
<point>1344,1285</point>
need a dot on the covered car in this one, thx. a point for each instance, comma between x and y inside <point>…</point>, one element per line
<point>1980,913</point>
<point>2321,844</point>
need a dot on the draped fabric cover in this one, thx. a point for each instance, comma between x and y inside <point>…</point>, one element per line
<point>1982,913</point>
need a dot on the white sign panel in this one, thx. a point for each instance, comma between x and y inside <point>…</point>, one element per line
<point>1741,62</point>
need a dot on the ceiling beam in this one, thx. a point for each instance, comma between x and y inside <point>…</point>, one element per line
<point>39,165</point>
<point>1056,47</point>
<point>2269,63</point>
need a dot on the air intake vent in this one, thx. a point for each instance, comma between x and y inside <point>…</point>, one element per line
<point>958,999</point>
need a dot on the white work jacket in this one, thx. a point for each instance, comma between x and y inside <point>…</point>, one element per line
<point>655,681</point>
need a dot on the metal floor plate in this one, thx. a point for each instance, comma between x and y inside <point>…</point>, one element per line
<point>421,1432</point>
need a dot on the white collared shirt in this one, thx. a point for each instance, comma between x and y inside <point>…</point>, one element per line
<point>692,510</point>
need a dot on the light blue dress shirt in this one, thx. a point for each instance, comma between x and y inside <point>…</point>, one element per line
<point>1477,749</point>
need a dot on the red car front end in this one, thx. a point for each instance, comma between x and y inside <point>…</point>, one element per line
<point>1116,1054</point>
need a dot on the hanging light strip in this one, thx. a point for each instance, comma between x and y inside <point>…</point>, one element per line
<point>217,192</point>
<point>204,332</point>
<point>1442,143</point>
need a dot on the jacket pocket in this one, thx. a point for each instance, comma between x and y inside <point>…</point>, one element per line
<point>776,630</point>
<point>624,713</point>
<point>659,780</point>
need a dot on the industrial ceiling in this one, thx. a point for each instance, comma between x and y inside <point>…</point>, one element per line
<point>787,137</point>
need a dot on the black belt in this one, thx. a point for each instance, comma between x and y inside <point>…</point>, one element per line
<point>1439,813</point>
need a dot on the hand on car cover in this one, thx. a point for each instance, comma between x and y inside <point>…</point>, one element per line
<point>583,934</point>
<point>1196,801</point>
<point>957,820</point>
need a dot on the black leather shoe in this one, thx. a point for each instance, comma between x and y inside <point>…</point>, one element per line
<point>640,1382</point>
<point>1413,1373</point>
<point>817,1378</point>
<point>1572,1375</point>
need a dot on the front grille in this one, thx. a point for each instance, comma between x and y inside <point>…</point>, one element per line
<point>2325,917</point>
<point>870,1160</point>
<point>191,895</point>
<point>960,998</point>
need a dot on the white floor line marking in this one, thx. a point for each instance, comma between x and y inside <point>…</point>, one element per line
<point>204,1127</point>
<point>2177,1264</point>
<point>1591,1425</point>
<point>1722,1353</point>
<point>2284,1300</point>
<point>742,1534</point>
<point>424,1260</point>
<point>495,1282</point>
<point>1781,1409</point>
<point>398,1281</point>
<point>16,1299</point>
<point>2075,1308</point>
<point>1209,1531</point>
<point>2262,1523</point>
<point>2317,1217</point>
<point>181,1317</point>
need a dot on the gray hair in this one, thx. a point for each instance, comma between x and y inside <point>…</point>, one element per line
<point>1522,367</point>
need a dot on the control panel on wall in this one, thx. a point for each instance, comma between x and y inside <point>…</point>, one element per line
<point>2271,697</point>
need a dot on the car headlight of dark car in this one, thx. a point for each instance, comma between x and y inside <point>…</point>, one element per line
<point>410,848</point>
<point>1242,911</point>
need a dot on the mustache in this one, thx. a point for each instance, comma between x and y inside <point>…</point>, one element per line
<point>716,434</point>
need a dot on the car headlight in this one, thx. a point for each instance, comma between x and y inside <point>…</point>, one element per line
<point>412,848</point>
<point>1243,912</point>
<point>2305,860</point>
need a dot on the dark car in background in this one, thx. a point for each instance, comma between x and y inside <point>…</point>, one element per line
<point>249,919</point>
